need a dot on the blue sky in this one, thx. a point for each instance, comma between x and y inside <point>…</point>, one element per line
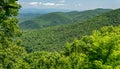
<point>70,4</point>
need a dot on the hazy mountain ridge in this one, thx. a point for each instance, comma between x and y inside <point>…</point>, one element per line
<point>55,38</point>
<point>30,13</point>
<point>27,16</point>
<point>59,18</point>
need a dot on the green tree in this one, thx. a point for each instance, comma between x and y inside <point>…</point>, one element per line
<point>101,48</point>
<point>11,53</point>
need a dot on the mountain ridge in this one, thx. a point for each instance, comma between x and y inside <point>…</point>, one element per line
<point>58,18</point>
<point>55,38</point>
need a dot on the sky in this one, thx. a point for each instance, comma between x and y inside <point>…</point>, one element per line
<point>70,4</point>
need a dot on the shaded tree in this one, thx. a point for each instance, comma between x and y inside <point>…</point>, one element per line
<point>11,53</point>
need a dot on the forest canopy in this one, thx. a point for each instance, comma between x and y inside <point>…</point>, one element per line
<point>100,50</point>
<point>97,51</point>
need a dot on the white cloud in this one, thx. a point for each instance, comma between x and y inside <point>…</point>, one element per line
<point>34,3</point>
<point>43,4</point>
<point>48,4</point>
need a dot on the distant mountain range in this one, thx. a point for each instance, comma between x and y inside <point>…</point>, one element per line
<point>55,38</point>
<point>40,20</point>
<point>41,11</point>
<point>29,13</point>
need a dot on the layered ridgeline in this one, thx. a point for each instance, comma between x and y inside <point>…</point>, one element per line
<point>32,13</point>
<point>27,16</point>
<point>58,18</point>
<point>55,38</point>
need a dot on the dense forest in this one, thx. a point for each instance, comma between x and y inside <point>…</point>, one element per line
<point>55,38</point>
<point>96,48</point>
<point>57,18</point>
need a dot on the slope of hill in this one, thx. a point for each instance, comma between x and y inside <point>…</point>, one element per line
<point>58,18</point>
<point>80,16</point>
<point>27,16</point>
<point>50,19</point>
<point>31,13</point>
<point>54,38</point>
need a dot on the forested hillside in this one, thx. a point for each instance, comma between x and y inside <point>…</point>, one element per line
<point>55,38</point>
<point>27,16</point>
<point>99,50</point>
<point>58,18</point>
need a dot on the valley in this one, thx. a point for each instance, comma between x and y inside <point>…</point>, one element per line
<point>54,38</point>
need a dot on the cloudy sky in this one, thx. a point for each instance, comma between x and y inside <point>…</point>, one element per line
<point>70,4</point>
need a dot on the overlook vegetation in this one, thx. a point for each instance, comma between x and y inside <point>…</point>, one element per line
<point>55,38</point>
<point>98,50</point>
<point>58,18</point>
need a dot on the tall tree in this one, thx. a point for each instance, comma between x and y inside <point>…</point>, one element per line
<point>11,53</point>
<point>8,22</point>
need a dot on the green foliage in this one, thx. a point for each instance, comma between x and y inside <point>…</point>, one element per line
<point>43,60</point>
<point>97,51</point>
<point>55,38</point>
<point>60,18</point>
<point>27,16</point>
<point>101,48</point>
<point>10,53</point>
